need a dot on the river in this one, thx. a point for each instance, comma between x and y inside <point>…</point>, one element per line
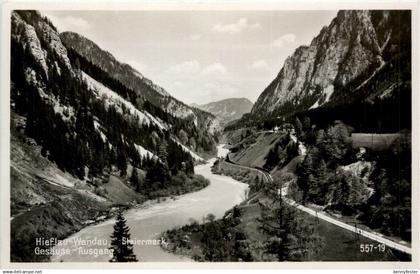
<point>149,222</point>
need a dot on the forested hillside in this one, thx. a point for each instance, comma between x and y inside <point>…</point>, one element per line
<point>86,123</point>
<point>73,105</point>
<point>142,92</point>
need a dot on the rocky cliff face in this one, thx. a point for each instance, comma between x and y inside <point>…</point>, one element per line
<point>228,109</point>
<point>39,38</point>
<point>350,51</point>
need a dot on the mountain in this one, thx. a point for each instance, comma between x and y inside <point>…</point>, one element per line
<point>89,133</point>
<point>361,56</point>
<point>83,92</point>
<point>144,89</point>
<point>228,109</point>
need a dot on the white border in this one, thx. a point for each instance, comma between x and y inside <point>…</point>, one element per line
<point>199,5</point>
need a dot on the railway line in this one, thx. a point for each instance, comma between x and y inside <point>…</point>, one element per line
<point>321,215</point>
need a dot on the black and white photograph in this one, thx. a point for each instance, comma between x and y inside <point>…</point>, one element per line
<point>210,135</point>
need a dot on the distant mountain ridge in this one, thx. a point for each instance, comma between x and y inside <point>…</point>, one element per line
<point>227,110</point>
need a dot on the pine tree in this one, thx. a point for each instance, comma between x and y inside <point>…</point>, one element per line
<point>276,225</point>
<point>318,187</point>
<point>304,170</point>
<point>306,123</point>
<point>163,156</point>
<point>290,236</point>
<point>122,160</point>
<point>298,126</point>
<point>122,250</point>
<point>163,153</point>
<point>183,137</point>
<point>135,180</point>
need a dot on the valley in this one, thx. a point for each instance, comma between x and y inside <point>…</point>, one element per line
<point>349,233</point>
<point>101,145</point>
<point>315,170</point>
<point>147,222</point>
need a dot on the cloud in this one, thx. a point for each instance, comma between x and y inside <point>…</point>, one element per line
<point>259,64</point>
<point>215,69</point>
<point>195,37</point>
<point>192,81</point>
<point>284,39</point>
<point>189,67</point>
<point>178,84</point>
<point>194,67</point>
<point>237,27</point>
<point>214,90</point>
<point>72,23</point>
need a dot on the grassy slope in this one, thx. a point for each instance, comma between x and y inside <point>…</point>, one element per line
<point>339,244</point>
<point>118,192</point>
<point>257,149</point>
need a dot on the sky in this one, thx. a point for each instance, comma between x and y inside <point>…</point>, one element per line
<point>199,56</point>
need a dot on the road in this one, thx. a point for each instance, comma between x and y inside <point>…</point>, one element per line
<point>371,235</point>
